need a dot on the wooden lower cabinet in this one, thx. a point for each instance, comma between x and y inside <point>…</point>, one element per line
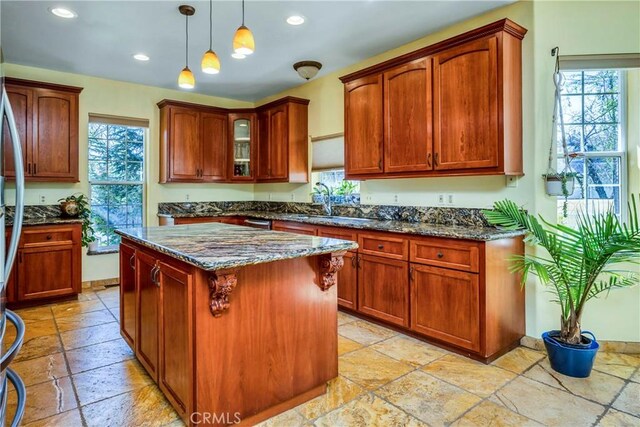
<point>459,293</point>
<point>383,289</point>
<point>128,312</point>
<point>295,227</point>
<point>445,305</point>
<point>48,264</point>
<point>176,307</point>
<point>147,308</point>
<point>348,282</point>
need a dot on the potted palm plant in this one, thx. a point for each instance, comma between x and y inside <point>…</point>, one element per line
<point>581,263</point>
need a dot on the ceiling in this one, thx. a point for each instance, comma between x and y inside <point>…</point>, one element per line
<point>102,39</point>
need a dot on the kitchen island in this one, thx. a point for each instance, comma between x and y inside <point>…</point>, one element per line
<point>233,323</point>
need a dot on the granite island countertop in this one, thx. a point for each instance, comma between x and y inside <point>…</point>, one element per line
<point>393,226</point>
<point>214,246</point>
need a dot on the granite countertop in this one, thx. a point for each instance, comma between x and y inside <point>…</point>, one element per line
<point>44,221</point>
<point>214,246</point>
<point>405,227</point>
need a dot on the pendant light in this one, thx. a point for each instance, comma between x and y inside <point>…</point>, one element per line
<point>210,61</point>
<point>243,43</point>
<point>186,80</point>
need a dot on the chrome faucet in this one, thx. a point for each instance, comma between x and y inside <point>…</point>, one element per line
<point>327,198</point>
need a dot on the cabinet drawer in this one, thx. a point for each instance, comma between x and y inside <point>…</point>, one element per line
<point>338,233</point>
<point>294,227</point>
<point>45,236</point>
<point>384,245</point>
<point>455,254</point>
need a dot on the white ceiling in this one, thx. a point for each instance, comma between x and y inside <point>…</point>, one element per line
<point>105,35</point>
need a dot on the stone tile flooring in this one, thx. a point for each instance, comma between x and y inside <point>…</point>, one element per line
<point>79,372</point>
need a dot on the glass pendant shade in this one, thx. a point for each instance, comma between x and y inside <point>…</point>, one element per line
<point>186,80</point>
<point>210,63</point>
<point>243,42</point>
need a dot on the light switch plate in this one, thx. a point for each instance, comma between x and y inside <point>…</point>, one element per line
<point>512,181</point>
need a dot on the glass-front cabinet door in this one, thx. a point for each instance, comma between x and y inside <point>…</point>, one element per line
<point>242,146</point>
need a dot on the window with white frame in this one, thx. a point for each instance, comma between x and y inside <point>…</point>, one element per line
<point>593,111</point>
<point>116,178</point>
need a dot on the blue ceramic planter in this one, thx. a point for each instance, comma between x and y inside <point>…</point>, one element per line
<point>573,361</point>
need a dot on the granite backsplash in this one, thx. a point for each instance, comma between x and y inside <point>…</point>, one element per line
<point>469,217</point>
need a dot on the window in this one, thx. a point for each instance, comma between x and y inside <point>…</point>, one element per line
<point>116,178</point>
<point>342,191</point>
<point>593,113</point>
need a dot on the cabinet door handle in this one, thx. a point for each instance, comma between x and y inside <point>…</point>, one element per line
<point>132,261</point>
<point>29,168</point>
<point>359,258</point>
<point>20,257</point>
<point>35,168</point>
<point>354,262</point>
<point>429,159</point>
<point>435,159</point>
<point>440,254</point>
<point>411,269</point>
<point>380,164</point>
<point>154,275</point>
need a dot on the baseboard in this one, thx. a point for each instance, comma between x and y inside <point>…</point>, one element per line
<point>100,283</point>
<point>625,347</point>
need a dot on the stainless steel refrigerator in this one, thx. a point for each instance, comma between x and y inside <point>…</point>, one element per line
<point>9,135</point>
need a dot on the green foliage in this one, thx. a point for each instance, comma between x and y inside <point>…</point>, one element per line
<point>84,213</point>
<point>322,191</point>
<point>582,263</point>
<point>346,188</point>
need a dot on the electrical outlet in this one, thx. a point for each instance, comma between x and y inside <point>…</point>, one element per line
<point>293,197</point>
<point>396,198</point>
<point>270,196</point>
<point>367,198</point>
<point>441,199</point>
<point>450,199</point>
<point>187,197</point>
<point>43,199</point>
<point>512,181</point>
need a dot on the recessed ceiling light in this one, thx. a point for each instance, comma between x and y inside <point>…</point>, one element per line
<point>63,12</point>
<point>141,57</point>
<point>238,55</point>
<point>295,20</point>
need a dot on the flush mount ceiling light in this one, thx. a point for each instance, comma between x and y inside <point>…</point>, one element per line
<point>243,42</point>
<point>140,57</point>
<point>63,12</point>
<point>295,20</point>
<point>307,69</point>
<point>210,61</point>
<point>186,80</point>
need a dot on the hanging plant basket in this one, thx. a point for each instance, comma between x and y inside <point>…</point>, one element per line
<point>560,184</point>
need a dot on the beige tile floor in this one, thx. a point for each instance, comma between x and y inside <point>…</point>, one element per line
<point>79,372</point>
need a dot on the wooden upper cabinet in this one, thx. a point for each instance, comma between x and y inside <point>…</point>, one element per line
<point>466,106</point>
<point>363,127</point>
<point>283,141</point>
<point>278,142</point>
<point>243,141</point>
<point>200,143</point>
<point>47,121</point>
<point>213,131</point>
<point>21,100</point>
<point>408,117</point>
<point>186,147</point>
<point>452,108</point>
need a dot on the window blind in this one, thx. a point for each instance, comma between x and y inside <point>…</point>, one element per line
<point>600,62</point>
<point>327,152</point>
<point>118,120</point>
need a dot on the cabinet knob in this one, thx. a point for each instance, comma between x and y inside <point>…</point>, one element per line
<point>49,237</point>
<point>440,254</point>
<point>380,246</point>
